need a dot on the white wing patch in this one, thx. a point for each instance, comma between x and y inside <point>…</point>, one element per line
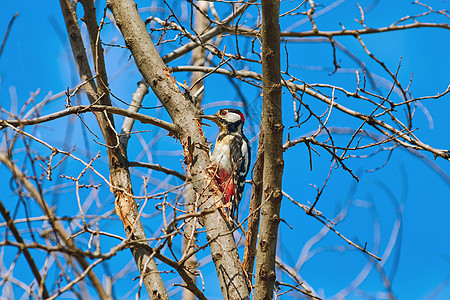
<point>244,151</point>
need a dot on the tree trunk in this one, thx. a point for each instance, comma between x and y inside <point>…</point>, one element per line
<point>272,127</point>
<point>118,163</point>
<point>251,236</point>
<point>198,59</point>
<point>184,115</point>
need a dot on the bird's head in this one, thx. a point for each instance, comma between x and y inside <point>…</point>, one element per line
<point>228,119</point>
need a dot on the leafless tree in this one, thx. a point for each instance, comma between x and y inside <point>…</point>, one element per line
<point>175,226</point>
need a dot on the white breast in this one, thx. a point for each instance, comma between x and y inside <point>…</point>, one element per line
<point>221,154</point>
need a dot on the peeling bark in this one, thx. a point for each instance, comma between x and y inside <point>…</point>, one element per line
<point>183,113</point>
<point>118,163</point>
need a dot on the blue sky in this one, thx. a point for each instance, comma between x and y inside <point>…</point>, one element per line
<point>37,56</point>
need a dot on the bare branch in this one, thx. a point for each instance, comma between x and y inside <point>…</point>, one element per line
<point>26,252</point>
<point>158,168</point>
<point>5,38</point>
<point>58,227</point>
<point>318,216</point>
<point>173,129</point>
<point>136,102</point>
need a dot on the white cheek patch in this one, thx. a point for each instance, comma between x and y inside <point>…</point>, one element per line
<point>232,117</point>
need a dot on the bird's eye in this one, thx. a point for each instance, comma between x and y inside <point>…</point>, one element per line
<point>223,112</point>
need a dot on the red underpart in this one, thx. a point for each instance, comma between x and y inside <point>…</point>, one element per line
<point>226,185</point>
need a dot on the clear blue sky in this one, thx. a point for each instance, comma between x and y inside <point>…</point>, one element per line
<point>37,57</point>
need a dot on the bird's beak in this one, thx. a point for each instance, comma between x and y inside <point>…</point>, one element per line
<point>213,118</point>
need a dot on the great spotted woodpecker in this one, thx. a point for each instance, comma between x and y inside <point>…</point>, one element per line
<point>231,156</point>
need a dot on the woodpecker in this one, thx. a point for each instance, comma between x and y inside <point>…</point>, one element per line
<point>231,156</point>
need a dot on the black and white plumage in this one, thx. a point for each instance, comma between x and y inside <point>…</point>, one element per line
<point>231,156</point>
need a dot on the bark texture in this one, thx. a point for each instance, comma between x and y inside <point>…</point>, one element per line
<point>251,237</point>
<point>272,127</point>
<point>118,163</point>
<point>198,59</point>
<point>183,113</point>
